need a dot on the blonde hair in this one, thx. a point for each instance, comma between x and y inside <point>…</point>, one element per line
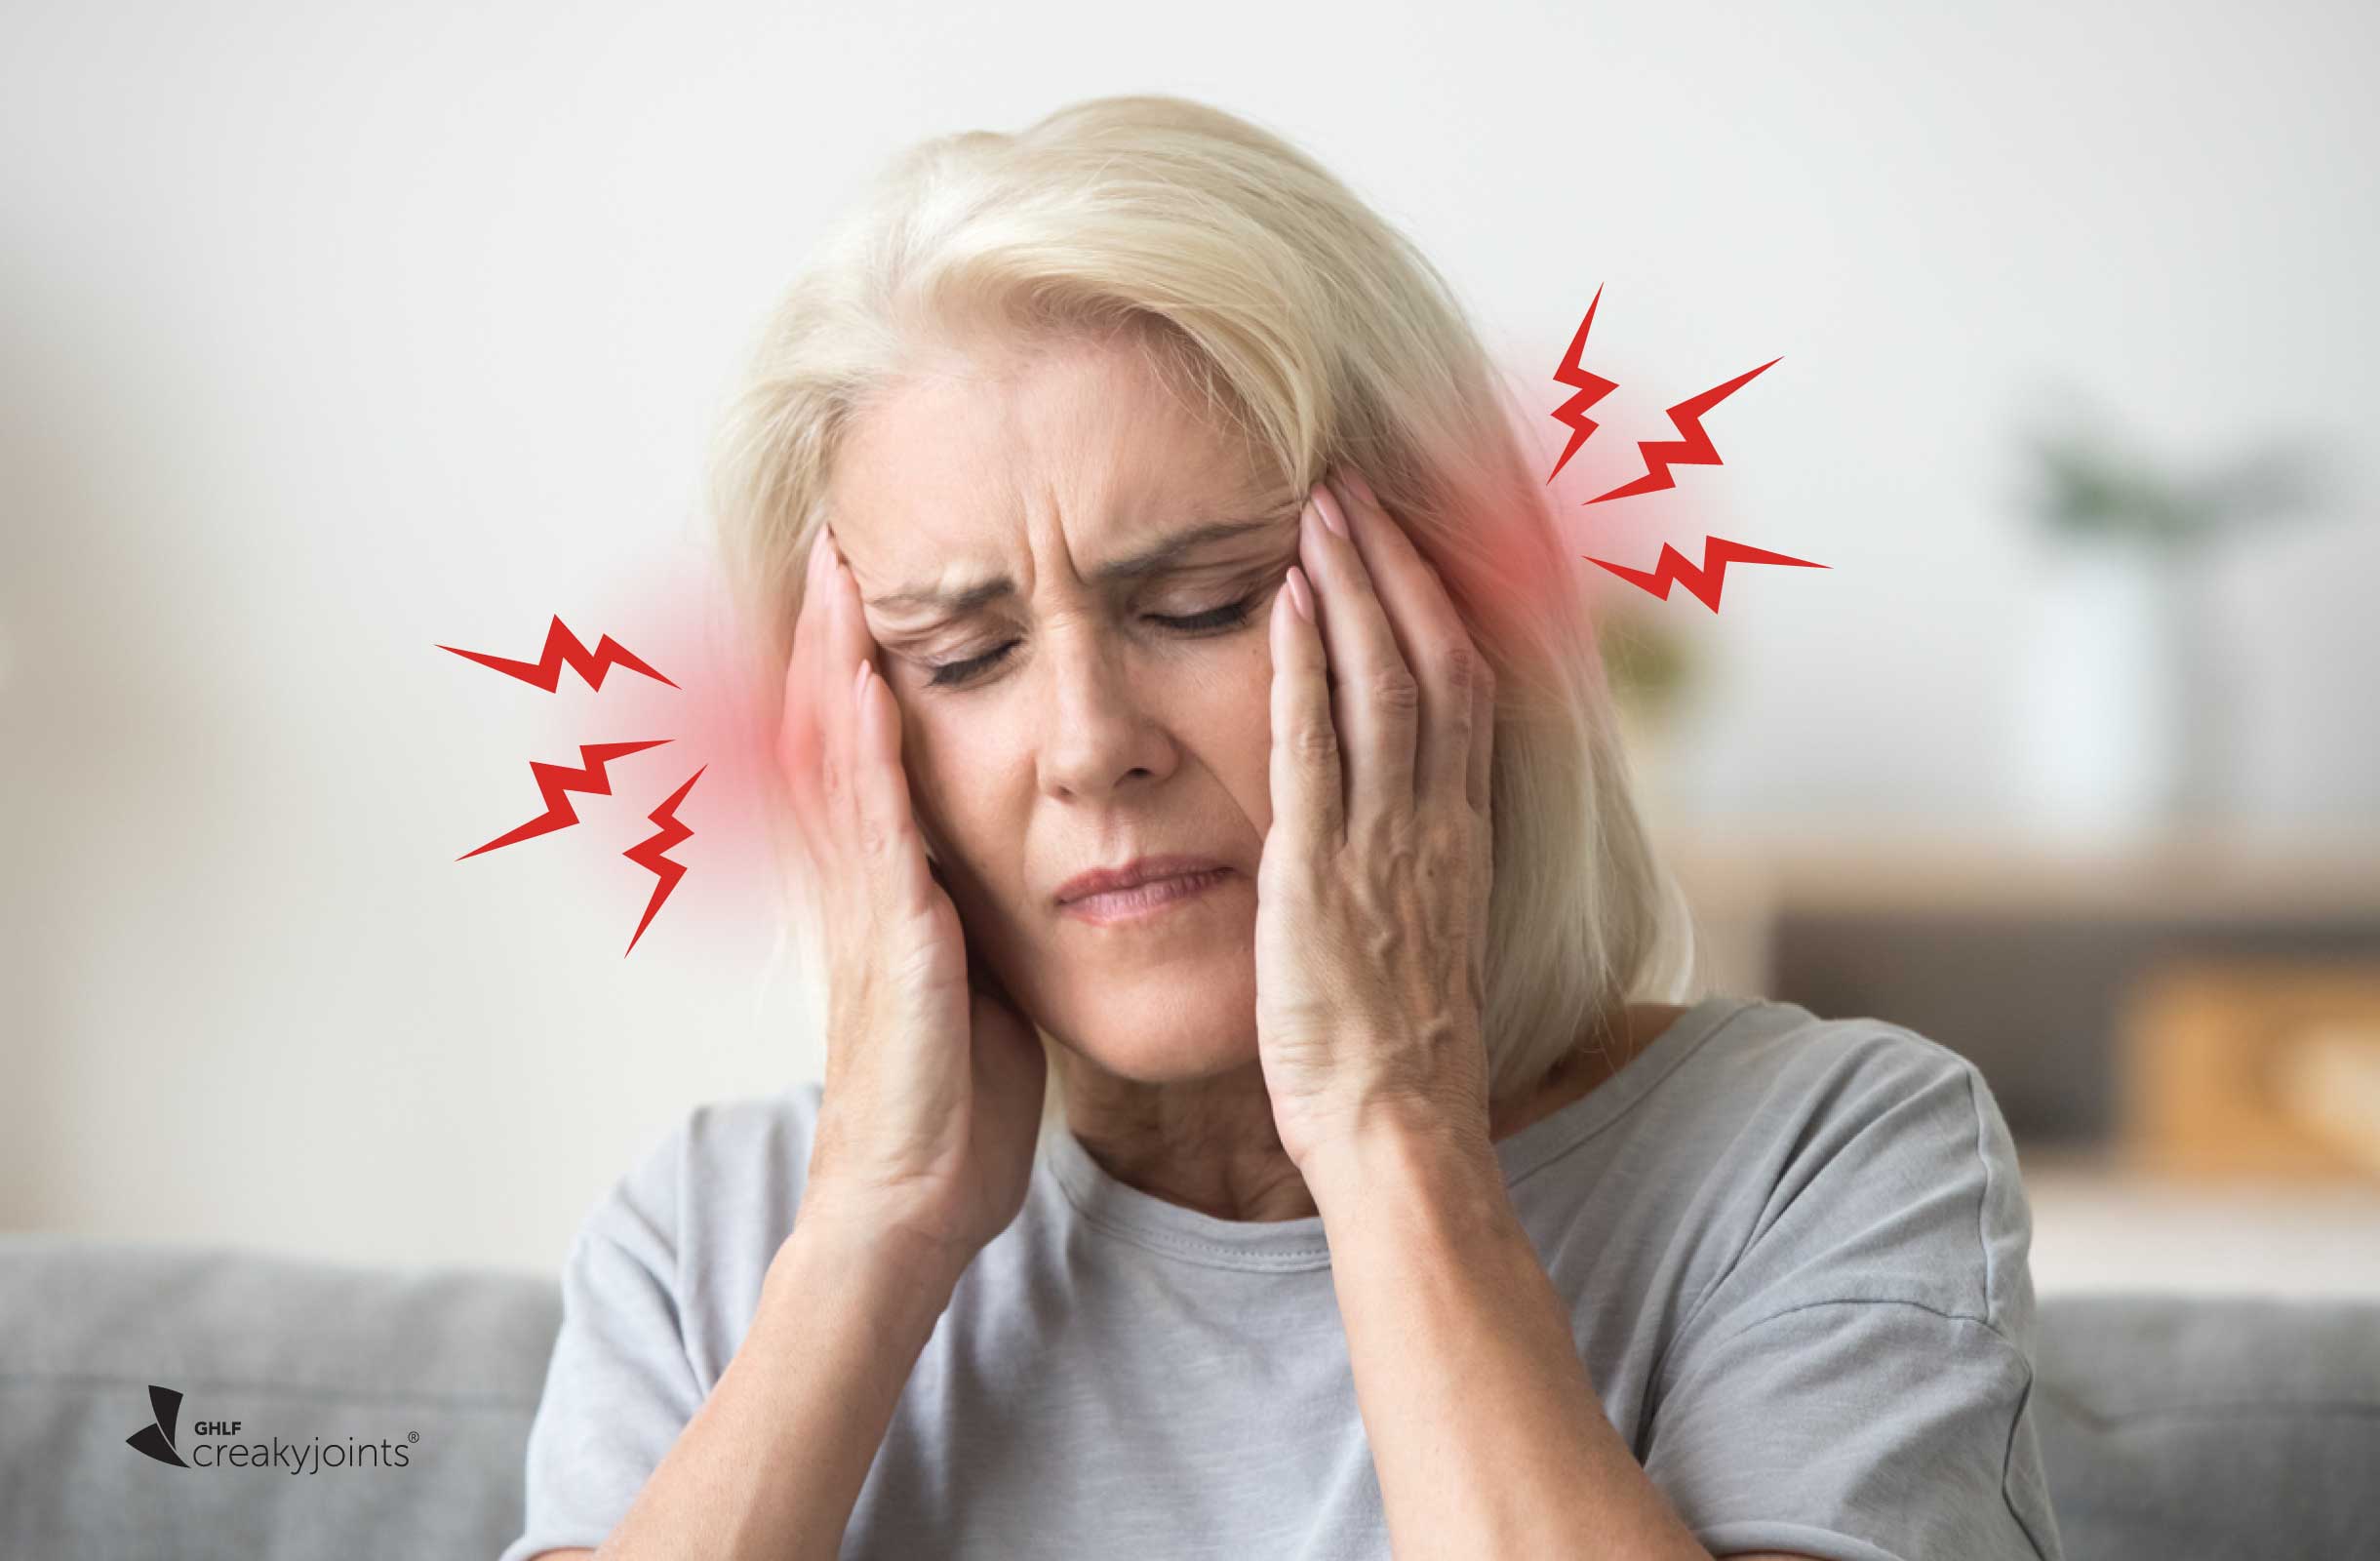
<point>1296,316</point>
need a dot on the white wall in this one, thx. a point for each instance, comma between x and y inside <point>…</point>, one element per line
<point>337,332</point>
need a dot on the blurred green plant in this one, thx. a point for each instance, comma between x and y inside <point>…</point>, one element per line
<point>1650,663</point>
<point>2088,487</point>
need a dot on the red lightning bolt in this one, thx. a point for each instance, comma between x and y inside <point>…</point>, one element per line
<point>646,854</point>
<point>555,781</point>
<point>1591,388</point>
<point>1694,450</point>
<point>1702,583</point>
<point>562,647</point>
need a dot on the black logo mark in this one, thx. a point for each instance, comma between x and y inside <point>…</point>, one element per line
<point>157,1440</point>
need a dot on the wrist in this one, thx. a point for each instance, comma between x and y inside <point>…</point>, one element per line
<point>1397,1163</point>
<point>855,1241</point>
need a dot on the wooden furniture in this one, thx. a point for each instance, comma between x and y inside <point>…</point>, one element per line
<point>2023,955</point>
<point>2257,1069</point>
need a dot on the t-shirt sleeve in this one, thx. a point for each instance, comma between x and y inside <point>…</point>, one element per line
<point>1858,1383</point>
<point>620,1385</point>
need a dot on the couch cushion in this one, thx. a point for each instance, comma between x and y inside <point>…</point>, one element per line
<point>397,1401</point>
<point>2182,1427</point>
<point>2171,1426</point>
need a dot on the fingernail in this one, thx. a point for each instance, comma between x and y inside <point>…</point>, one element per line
<point>1362,489</point>
<point>859,684</point>
<point>818,551</point>
<point>1298,595</point>
<point>1329,510</point>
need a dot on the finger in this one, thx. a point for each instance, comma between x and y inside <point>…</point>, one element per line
<point>1435,644</point>
<point>888,838</point>
<point>1374,695</point>
<point>1483,903</point>
<point>801,729</point>
<point>844,644</point>
<point>1305,776</point>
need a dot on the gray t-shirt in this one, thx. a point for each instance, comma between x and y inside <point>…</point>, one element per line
<point>1793,1250</point>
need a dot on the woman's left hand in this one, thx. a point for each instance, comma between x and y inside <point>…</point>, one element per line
<point>1371,915</point>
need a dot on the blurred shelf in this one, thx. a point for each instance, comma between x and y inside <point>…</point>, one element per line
<point>2099,1226</point>
<point>2020,952</point>
<point>2176,873</point>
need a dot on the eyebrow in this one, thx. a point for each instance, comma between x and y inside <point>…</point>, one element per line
<point>1153,559</point>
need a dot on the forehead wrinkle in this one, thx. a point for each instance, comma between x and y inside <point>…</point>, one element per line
<point>1028,438</point>
<point>1166,554</point>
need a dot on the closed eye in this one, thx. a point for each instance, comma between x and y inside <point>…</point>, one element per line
<point>1221,620</point>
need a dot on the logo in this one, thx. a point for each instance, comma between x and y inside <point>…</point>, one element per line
<point>156,1438</point>
<point>220,1448</point>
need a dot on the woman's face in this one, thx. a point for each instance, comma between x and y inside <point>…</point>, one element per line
<point>1086,714</point>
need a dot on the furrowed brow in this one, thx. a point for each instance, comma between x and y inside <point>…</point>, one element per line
<point>1164,554</point>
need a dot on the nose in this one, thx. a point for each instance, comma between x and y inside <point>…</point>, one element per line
<point>1100,729</point>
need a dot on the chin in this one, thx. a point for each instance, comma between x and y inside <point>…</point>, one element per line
<point>1160,1025</point>
<point>1169,1062</point>
<point>1162,1003</point>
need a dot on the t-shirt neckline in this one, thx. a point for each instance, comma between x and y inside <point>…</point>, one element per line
<point>1275,1245</point>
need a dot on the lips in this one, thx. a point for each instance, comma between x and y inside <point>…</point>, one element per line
<point>1139,870</point>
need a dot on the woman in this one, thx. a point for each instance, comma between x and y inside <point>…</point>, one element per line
<point>1238,1136</point>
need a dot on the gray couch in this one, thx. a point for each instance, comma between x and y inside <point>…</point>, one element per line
<point>2172,1429</point>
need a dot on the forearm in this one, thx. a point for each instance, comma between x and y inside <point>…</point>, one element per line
<point>774,1462</point>
<point>1486,1432</point>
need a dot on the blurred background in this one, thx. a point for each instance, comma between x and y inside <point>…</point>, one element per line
<point>334,334</point>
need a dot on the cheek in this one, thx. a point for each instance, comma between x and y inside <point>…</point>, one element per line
<point>967,770</point>
<point>1237,737</point>
<point>931,753</point>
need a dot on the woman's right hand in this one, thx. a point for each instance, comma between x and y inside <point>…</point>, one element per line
<point>932,1095</point>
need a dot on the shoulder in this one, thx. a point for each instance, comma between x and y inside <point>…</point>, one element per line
<point>1769,1050</point>
<point>1854,1321</point>
<point>679,1243</point>
<point>722,1166</point>
<point>1870,1162</point>
<point>1776,1079</point>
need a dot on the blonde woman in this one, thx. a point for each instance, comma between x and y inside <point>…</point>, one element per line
<point>1259,1119</point>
